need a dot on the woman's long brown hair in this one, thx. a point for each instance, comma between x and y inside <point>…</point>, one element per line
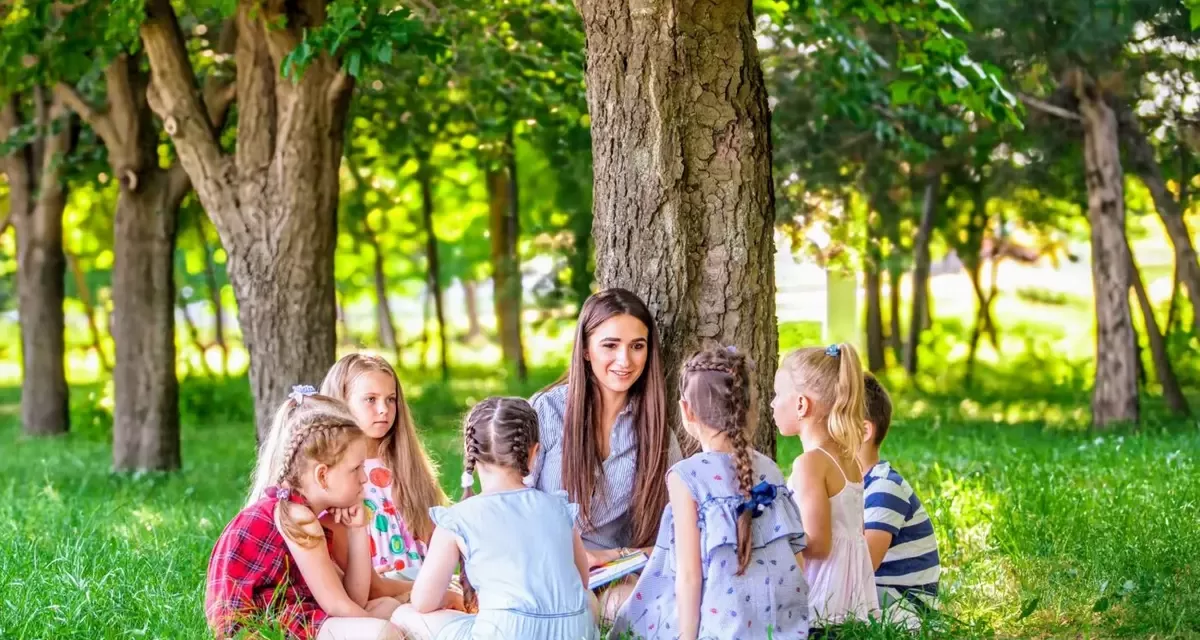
<point>581,453</point>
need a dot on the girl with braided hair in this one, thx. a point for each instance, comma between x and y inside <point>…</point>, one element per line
<point>819,396</point>
<point>271,568</point>
<point>518,545</point>
<point>727,560</point>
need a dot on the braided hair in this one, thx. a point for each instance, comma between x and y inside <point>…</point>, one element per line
<point>308,430</point>
<point>715,384</point>
<point>498,431</point>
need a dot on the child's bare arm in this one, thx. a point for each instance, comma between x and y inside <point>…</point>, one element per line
<point>808,482</point>
<point>878,543</point>
<point>689,577</point>
<point>581,560</point>
<point>318,568</point>
<point>429,591</point>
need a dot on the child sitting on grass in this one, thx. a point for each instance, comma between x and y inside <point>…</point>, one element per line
<point>271,568</point>
<point>519,546</point>
<point>819,397</point>
<point>726,562</point>
<point>899,532</point>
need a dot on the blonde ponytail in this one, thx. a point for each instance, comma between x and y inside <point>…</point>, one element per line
<point>848,413</point>
<point>833,377</point>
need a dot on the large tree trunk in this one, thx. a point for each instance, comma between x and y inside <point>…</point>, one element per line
<point>920,288</point>
<point>684,206</point>
<point>37,198</point>
<point>506,259</point>
<point>1115,394</point>
<point>274,202</point>
<point>1163,370</point>
<point>433,266</point>
<point>146,388</point>
<point>1146,165</point>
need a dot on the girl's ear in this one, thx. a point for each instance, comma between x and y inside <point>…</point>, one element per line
<point>685,410</point>
<point>320,474</point>
<point>803,406</point>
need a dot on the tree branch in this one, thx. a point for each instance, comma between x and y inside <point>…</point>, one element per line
<point>1046,107</point>
<point>97,119</point>
<point>173,95</point>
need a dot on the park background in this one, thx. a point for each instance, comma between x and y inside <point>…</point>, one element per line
<point>204,203</point>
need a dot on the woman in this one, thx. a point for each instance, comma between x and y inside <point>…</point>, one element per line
<point>604,432</point>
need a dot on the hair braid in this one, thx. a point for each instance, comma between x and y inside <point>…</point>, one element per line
<point>715,383</point>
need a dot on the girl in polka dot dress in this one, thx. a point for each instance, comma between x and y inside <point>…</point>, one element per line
<point>726,563</point>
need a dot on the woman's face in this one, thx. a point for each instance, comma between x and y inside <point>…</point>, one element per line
<point>617,351</point>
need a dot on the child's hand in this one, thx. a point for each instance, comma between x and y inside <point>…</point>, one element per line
<point>354,517</point>
<point>454,600</point>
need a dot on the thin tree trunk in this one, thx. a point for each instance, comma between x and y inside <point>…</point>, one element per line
<point>433,268</point>
<point>89,309</point>
<point>921,271</point>
<point>1173,303</point>
<point>1146,165</point>
<point>194,335</point>
<point>895,256</point>
<point>383,310</point>
<point>506,260</point>
<point>344,337</point>
<point>471,301</point>
<point>1115,394</point>
<point>581,262</point>
<point>872,282</point>
<point>37,198</point>
<point>426,311</point>
<point>1163,370</point>
<point>682,157</point>
<point>214,296</point>
<point>274,201</point>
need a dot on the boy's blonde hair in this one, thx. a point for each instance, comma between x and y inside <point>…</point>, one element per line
<point>415,486</point>
<point>832,377</point>
<point>308,429</point>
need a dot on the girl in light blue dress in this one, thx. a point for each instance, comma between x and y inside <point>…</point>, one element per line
<point>524,565</point>
<point>726,563</point>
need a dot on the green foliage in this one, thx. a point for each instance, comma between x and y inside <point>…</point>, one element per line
<point>360,34</point>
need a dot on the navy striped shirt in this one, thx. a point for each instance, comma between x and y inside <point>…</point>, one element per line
<point>911,568</point>
<point>611,527</point>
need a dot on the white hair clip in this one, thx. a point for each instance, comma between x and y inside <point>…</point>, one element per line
<point>301,391</point>
<point>468,480</point>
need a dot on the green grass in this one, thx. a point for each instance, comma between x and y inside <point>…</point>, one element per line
<point>1045,529</point>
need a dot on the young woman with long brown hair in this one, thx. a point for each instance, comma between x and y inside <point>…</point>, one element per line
<point>604,432</point>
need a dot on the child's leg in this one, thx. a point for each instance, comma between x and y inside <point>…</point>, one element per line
<point>359,629</point>
<point>382,608</point>
<point>615,595</point>
<point>424,626</point>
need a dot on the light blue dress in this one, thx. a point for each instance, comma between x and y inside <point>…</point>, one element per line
<point>772,593</point>
<point>520,557</point>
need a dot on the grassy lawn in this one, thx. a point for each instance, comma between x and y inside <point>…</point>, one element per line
<point>1045,530</point>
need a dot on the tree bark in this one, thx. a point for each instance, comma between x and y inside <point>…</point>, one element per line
<point>1145,163</point>
<point>873,283</point>
<point>920,287</point>
<point>895,336</point>
<point>37,198</point>
<point>684,204</point>
<point>504,218</point>
<point>274,202</point>
<point>433,266</point>
<point>1115,394</point>
<point>1163,370</point>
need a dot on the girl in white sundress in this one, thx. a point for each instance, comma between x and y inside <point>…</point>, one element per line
<point>819,396</point>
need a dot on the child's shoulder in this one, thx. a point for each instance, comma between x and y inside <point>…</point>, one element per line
<point>884,472</point>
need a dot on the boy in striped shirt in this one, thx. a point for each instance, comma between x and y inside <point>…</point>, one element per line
<point>898,530</point>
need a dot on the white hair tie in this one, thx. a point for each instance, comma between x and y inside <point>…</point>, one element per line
<point>468,480</point>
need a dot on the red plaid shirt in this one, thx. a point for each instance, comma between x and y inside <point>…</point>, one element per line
<point>252,578</point>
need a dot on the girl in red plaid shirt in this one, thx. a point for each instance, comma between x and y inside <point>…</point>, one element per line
<point>271,568</point>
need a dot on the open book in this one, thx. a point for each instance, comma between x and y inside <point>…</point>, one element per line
<point>616,569</point>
